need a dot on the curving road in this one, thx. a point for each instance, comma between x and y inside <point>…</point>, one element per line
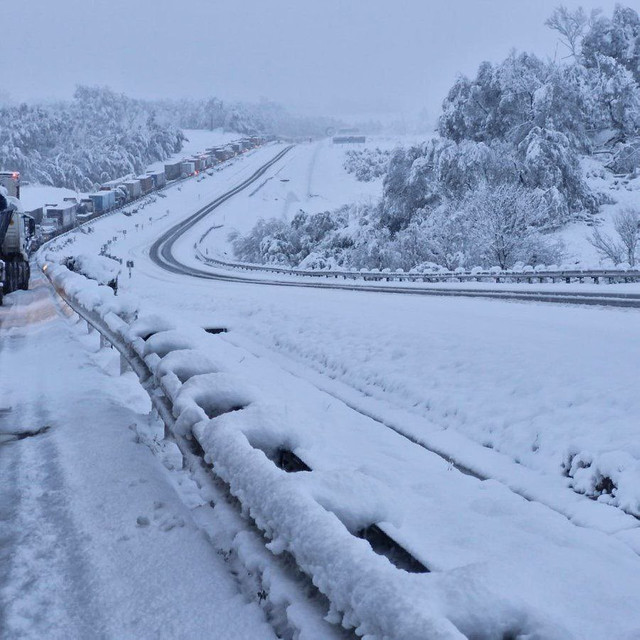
<point>161,253</point>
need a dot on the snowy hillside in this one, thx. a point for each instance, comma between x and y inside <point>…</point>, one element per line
<point>505,173</point>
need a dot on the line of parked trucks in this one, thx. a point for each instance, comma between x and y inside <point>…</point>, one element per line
<point>116,193</point>
<point>21,232</point>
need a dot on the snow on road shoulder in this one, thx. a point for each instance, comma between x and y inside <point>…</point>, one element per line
<point>98,543</point>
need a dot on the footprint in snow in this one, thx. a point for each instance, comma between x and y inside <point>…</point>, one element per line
<point>163,520</point>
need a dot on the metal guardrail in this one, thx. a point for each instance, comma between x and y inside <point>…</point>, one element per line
<point>596,276</point>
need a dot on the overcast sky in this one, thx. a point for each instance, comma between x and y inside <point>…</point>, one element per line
<point>323,56</point>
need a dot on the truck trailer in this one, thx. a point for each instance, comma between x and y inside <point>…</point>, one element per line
<point>64,214</point>
<point>173,170</point>
<point>103,201</point>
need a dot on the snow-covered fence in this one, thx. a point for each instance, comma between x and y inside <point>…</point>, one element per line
<point>202,404</point>
<point>528,275</point>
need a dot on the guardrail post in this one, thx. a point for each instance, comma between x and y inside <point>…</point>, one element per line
<point>90,328</point>
<point>103,342</point>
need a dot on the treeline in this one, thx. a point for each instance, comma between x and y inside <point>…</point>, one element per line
<point>505,168</point>
<point>263,117</point>
<point>97,136</point>
<point>100,135</point>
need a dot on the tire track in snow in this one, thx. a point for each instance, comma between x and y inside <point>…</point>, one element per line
<point>46,586</point>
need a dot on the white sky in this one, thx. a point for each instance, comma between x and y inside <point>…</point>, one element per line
<point>322,56</point>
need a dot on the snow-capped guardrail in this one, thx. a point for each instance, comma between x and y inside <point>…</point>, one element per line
<point>203,406</point>
<point>496,275</point>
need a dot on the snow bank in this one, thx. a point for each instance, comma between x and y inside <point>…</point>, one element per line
<point>206,396</point>
<point>613,477</point>
<point>103,270</point>
<point>374,597</point>
<point>163,342</point>
<point>88,293</point>
<point>147,325</point>
<point>178,366</point>
<point>185,363</point>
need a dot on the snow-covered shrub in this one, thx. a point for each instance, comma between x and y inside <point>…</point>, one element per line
<point>366,164</point>
<point>623,247</point>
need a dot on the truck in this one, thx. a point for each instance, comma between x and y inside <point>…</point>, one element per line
<point>64,214</point>
<point>173,169</point>
<point>187,168</point>
<point>103,201</point>
<point>146,184</point>
<point>17,236</point>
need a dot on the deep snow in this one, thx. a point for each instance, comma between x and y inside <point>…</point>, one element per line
<point>533,382</point>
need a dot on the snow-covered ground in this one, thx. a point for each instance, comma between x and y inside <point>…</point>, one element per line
<point>624,191</point>
<point>438,360</point>
<point>510,390</point>
<point>310,178</point>
<point>98,540</point>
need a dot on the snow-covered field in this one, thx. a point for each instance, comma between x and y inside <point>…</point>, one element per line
<point>509,390</point>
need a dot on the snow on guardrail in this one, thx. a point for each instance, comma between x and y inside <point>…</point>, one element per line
<point>527,274</point>
<point>365,591</point>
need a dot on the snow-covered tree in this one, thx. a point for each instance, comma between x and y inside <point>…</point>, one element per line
<point>571,25</point>
<point>617,37</point>
<point>98,136</point>
<point>624,246</point>
<point>503,224</point>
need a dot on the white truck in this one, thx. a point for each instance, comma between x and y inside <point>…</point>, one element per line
<point>17,236</point>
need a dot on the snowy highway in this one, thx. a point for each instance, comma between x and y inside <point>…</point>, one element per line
<point>385,397</point>
<point>197,229</point>
<point>320,321</point>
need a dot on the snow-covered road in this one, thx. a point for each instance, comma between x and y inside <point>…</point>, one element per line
<point>95,539</point>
